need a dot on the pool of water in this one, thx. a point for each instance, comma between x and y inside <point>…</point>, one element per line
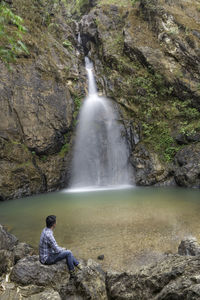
<point>131,227</point>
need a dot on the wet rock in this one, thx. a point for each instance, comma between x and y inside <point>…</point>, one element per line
<point>148,168</point>
<point>187,172</point>
<point>89,283</point>
<point>181,139</point>
<point>86,5</point>
<point>167,182</point>
<point>22,250</point>
<point>7,240</point>
<point>88,31</point>
<point>184,139</point>
<point>30,271</point>
<point>189,246</point>
<point>101,257</point>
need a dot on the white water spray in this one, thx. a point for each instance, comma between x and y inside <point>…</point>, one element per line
<point>101,154</point>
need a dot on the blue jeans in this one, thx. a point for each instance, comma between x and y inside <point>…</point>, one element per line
<point>71,261</point>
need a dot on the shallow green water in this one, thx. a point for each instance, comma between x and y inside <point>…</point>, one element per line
<point>130,227</point>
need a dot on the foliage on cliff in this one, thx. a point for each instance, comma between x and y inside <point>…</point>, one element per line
<point>11,30</point>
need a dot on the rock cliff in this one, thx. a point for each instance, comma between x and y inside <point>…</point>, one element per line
<point>40,98</point>
<point>146,57</point>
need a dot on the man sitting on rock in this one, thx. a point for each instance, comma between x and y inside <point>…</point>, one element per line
<point>50,252</point>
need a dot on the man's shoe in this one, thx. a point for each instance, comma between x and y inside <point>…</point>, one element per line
<point>79,266</point>
<point>72,274</point>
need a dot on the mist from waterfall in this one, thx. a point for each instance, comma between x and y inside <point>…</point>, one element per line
<point>101,154</point>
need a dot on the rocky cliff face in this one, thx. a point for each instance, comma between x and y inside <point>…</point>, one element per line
<point>39,102</point>
<point>146,56</point>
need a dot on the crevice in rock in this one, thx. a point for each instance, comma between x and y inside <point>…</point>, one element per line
<point>19,123</point>
<point>43,176</point>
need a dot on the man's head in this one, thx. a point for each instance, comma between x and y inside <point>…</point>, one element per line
<point>51,221</point>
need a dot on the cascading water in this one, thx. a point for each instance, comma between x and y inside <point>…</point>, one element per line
<point>101,154</point>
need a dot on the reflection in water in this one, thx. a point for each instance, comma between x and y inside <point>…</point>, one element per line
<point>130,227</point>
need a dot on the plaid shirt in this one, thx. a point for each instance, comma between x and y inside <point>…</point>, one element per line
<point>47,245</point>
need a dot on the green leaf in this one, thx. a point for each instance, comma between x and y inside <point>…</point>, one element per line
<point>23,47</point>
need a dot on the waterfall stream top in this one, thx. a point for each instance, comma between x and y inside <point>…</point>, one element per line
<point>92,89</point>
<point>101,154</point>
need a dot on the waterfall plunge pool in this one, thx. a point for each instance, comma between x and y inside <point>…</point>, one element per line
<point>131,227</point>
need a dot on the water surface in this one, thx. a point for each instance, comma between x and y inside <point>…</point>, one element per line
<point>130,227</point>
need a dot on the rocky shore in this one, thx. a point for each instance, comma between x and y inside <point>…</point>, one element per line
<point>22,276</point>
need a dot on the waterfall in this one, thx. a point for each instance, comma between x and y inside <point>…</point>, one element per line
<point>100,154</point>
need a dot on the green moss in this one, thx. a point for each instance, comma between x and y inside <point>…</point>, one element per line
<point>64,150</point>
<point>67,44</point>
<point>116,2</point>
<point>43,158</point>
<point>11,144</point>
<point>158,136</point>
<point>189,128</point>
<point>77,102</point>
<point>134,2</point>
<point>24,165</point>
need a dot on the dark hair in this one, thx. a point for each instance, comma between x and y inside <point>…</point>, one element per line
<point>50,221</point>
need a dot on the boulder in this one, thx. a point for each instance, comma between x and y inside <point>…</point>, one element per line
<point>184,139</point>
<point>189,246</point>
<point>89,283</point>
<point>187,172</point>
<point>7,240</point>
<point>148,169</point>
<point>21,250</point>
<point>29,270</point>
